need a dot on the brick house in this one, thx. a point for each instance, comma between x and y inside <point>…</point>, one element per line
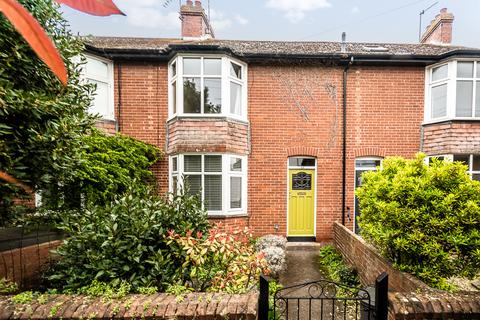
<point>275,135</point>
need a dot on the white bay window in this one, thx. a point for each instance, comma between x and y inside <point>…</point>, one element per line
<point>220,180</point>
<point>453,91</point>
<point>472,161</point>
<point>207,86</point>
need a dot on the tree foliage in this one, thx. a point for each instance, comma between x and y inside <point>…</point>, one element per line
<point>424,218</point>
<point>41,121</point>
<point>109,166</point>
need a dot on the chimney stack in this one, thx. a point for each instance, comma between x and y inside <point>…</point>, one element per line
<point>195,23</point>
<point>440,29</point>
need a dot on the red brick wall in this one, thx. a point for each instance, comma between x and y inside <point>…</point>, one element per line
<point>24,265</point>
<point>369,264</point>
<point>144,108</point>
<point>207,135</point>
<point>451,138</point>
<point>297,110</point>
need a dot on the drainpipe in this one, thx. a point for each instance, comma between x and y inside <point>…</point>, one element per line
<point>344,139</point>
<point>119,90</point>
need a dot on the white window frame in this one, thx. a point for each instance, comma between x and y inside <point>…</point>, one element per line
<point>373,158</point>
<point>451,82</point>
<point>226,78</point>
<point>226,174</point>
<point>450,157</point>
<point>109,113</point>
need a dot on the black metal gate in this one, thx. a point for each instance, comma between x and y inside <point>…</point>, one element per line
<point>323,299</point>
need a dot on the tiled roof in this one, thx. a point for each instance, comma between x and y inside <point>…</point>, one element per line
<point>246,48</point>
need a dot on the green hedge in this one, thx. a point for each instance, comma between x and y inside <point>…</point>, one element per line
<point>425,219</point>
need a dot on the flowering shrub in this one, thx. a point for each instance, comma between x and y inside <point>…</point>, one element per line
<point>273,247</point>
<point>218,261</point>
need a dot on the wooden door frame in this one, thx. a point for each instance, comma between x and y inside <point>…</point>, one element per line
<point>314,195</point>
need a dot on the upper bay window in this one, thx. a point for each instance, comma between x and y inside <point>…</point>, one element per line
<point>99,71</point>
<point>453,91</point>
<point>207,86</point>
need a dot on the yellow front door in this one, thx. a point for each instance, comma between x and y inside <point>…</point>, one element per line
<point>301,202</point>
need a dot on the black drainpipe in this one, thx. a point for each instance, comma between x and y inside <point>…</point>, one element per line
<point>344,139</point>
<point>119,89</point>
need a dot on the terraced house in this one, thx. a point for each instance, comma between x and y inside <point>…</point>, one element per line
<point>275,135</point>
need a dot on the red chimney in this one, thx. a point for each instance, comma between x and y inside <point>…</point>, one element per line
<point>195,23</point>
<point>440,29</point>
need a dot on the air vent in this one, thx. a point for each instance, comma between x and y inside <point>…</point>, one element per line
<point>375,49</point>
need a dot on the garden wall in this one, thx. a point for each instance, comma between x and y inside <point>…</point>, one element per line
<point>368,262</point>
<point>24,265</point>
<point>406,301</point>
<point>204,306</point>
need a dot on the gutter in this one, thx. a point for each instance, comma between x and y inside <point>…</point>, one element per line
<point>344,138</point>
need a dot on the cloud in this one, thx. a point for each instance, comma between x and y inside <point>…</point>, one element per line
<point>295,10</point>
<point>219,20</point>
<point>241,20</point>
<point>151,18</point>
<point>355,10</point>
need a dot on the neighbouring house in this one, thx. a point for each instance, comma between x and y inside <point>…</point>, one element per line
<point>275,135</point>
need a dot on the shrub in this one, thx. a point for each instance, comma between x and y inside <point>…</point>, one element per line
<point>425,219</point>
<point>271,241</point>
<point>273,248</point>
<point>331,260</point>
<point>125,241</point>
<point>217,262</point>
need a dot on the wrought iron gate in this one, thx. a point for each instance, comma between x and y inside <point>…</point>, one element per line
<point>323,299</point>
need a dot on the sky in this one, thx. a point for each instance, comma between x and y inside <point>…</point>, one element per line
<point>292,20</point>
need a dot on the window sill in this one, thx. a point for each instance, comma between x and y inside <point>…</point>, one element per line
<point>202,117</point>
<point>449,120</point>
<point>221,215</point>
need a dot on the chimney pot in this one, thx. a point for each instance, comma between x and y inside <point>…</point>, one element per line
<point>195,23</point>
<point>189,3</point>
<point>439,31</point>
<point>198,3</point>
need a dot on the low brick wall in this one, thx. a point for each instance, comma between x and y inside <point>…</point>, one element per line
<point>434,306</point>
<point>368,262</point>
<point>24,265</point>
<point>159,306</point>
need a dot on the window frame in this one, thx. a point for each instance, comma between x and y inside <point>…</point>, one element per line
<point>450,157</point>
<point>451,82</point>
<point>109,80</point>
<point>226,174</point>
<point>225,77</point>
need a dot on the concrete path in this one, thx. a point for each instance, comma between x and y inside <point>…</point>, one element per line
<point>303,266</point>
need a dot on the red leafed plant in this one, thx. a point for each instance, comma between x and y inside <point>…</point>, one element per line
<point>218,261</point>
<point>42,45</point>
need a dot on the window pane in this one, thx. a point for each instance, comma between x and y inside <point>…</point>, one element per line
<point>194,184</point>
<point>213,163</point>
<point>213,192</point>
<point>235,98</point>
<point>464,98</point>
<point>96,68</point>
<point>439,73</point>
<point>235,192</point>
<point>301,162</point>
<point>100,99</point>
<point>212,67</point>
<point>367,163</point>
<point>465,69</point>
<point>476,176</point>
<point>191,66</point>
<point>191,95</point>
<point>174,69</point>
<point>192,163</point>
<point>235,164</point>
<point>476,163</point>
<point>174,96</point>
<point>477,100</point>
<point>439,101</point>
<point>465,158</point>
<point>174,164</point>
<point>213,95</point>
<point>235,70</point>
<point>174,184</point>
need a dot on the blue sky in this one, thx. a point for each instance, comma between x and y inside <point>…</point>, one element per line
<point>306,20</point>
